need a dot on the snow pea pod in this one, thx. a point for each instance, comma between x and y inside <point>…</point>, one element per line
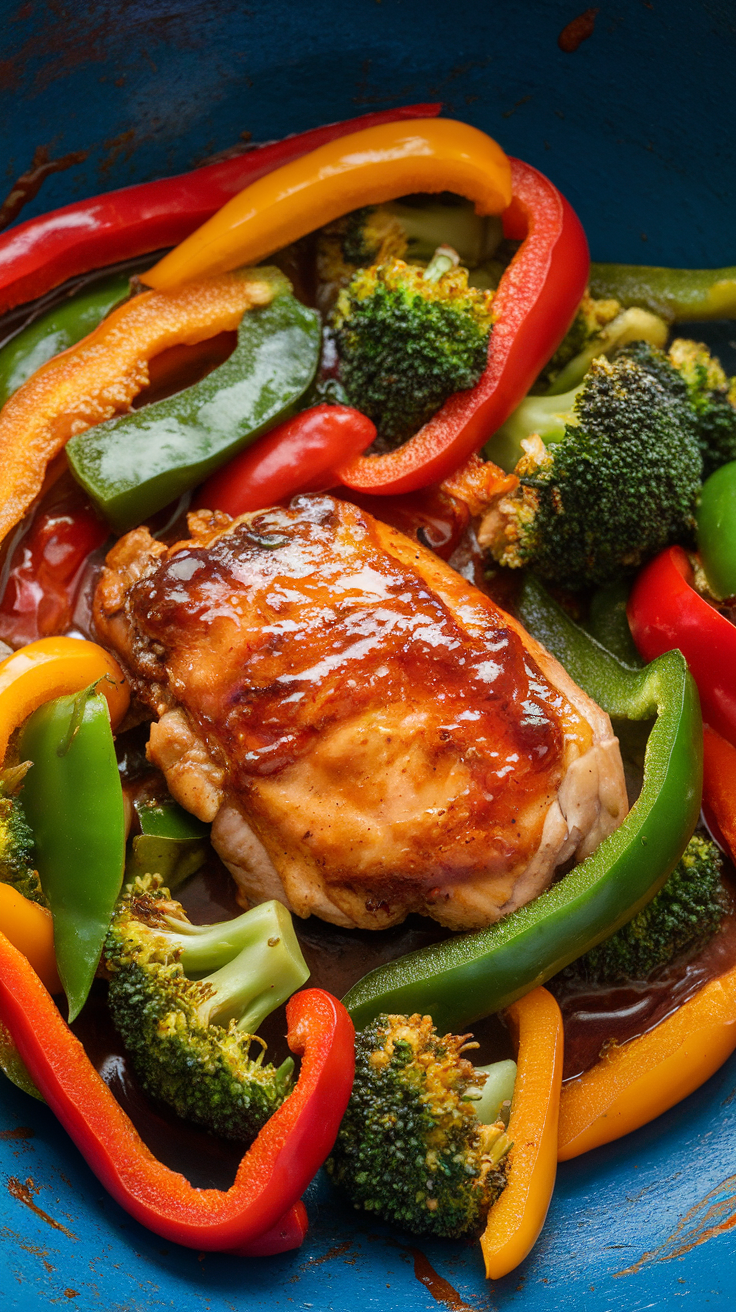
<point>471,975</point>
<point>136,464</point>
<point>172,843</point>
<point>53,332</point>
<point>73,800</point>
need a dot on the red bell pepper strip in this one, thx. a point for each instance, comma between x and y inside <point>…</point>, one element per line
<point>301,455</point>
<point>666,612</point>
<point>47,568</point>
<point>719,789</point>
<point>43,252</point>
<point>534,306</point>
<point>274,1171</point>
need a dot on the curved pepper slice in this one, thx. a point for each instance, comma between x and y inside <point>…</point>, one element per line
<point>364,168</point>
<point>534,306</point>
<point>135,464</point>
<point>299,455</point>
<point>273,1172</point>
<point>47,568</point>
<point>53,667</point>
<point>666,612</point>
<point>42,252</point>
<point>99,377</point>
<point>30,929</point>
<point>471,975</point>
<point>634,1083</point>
<point>719,788</point>
<point>53,332</point>
<point>515,1221</point>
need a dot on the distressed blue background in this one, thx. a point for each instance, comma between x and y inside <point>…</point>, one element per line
<point>638,128</point>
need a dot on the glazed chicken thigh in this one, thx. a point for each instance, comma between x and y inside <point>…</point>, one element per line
<point>370,734</point>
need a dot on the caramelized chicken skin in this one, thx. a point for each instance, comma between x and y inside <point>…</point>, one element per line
<point>369,733</point>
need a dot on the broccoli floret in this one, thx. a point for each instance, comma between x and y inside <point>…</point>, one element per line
<point>713,399</point>
<point>16,839</point>
<point>364,237</point>
<point>609,474</point>
<point>410,228</point>
<point>684,915</point>
<point>408,339</point>
<point>190,1039</point>
<point>411,1148</point>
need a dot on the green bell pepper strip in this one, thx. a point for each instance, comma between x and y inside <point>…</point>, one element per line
<point>608,624</point>
<point>677,295</point>
<point>53,332</point>
<point>468,976</point>
<point>716,517</point>
<point>172,843</point>
<point>73,801</point>
<point>138,463</point>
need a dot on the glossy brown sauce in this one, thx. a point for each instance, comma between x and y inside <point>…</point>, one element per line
<point>594,1017</point>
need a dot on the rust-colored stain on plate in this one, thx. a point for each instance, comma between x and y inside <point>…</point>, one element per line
<point>713,1215</point>
<point>24,1194</point>
<point>577,31</point>
<point>440,1289</point>
<point>28,185</point>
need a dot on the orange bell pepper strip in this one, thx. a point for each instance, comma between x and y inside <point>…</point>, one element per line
<point>365,168</point>
<point>54,667</point>
<point>260,1213</point>
<point>30,929</point>
<point>99,377</point>
<point>515,1221</point>
<point>719,788</point>
<point>636,1082</point>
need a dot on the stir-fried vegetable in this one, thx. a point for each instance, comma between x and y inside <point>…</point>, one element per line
<point>435,363</point>
<point>136,464</point>
<point>365,168</point>
<point>188,999</point>
<point>74,802</point>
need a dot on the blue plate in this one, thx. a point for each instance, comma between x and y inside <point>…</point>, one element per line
<point>638,128</point>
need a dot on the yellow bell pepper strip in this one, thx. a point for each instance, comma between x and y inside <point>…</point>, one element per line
<point>30,929</point>
<point>53,667</point>
<point>98,378</point>
<point>515,1221</point>
<point>365,168</point>
<point>636,1082</point>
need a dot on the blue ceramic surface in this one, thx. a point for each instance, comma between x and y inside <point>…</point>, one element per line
<point>638,128</point>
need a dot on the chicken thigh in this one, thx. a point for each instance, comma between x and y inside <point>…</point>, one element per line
<point>370,734</point>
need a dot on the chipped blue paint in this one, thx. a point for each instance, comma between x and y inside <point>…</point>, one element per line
<point>638,128</point>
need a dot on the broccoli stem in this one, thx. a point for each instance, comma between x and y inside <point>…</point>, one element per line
<point>547,416</point>
<point>251,964</point>
<point>444,259</point>
<point>497,1090</point>
<point>632,325</point>
<point>678,295</point>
